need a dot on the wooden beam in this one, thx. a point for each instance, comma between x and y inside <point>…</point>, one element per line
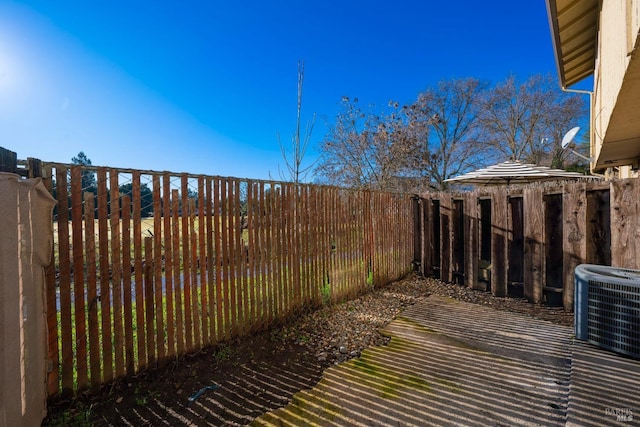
<point>533,247</point>
<point>625,224</point>
<point>574,211</point>
<point>499,227</point>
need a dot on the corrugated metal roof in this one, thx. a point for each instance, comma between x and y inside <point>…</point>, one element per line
<point>574,30</point>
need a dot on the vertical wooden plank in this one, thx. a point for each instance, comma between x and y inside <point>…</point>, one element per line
<point>338,222</point>
<point>116,273</point>
<point>273,249</point>
<point>210,236</point>
<point>243,265</point>
<point>625,223</point>
<point>307,255</point>
<point>574,209</point>
<point>352,251</point>
<point>254,296</point>
<point>65,280</point>
<point>241,271</point>
<point>279,250</point>
<point>168,263</point>
<point>533,251</point>
<point>499,226</point>
<point>599,227</point>
<point>105,276</point>
<point>177,282</point>
<point>157,267</point>
<point>53,355</point>
<point>224,243</point>
<point>263,246</point>
<point>315,248</point>
<point>78,277</point>
<point>297,224</point>
<point>148,300</point>
<point>233,260</point>
<point>327,279</point>
<point>126,285</point>
<point>217,229</point>
<point>285,294</point>
<point>202,263</point>
<point>445,237</point>
<point>186,263</point>
<point>138,266</point>
<point>471,233</point>
<point>290,292</point>
<point>193,240</point>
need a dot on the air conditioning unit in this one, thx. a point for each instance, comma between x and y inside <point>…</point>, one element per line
<point>607,308</point>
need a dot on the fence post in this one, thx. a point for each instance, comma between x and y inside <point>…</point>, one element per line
<point>417,234</point>
<point>574,210</point>
<point>499,243</point>
<point>534,239</point>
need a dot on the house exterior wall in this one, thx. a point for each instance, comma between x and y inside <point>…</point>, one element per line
<point>618,36</point>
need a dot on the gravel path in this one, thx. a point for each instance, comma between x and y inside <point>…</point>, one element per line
<point>340,332</point>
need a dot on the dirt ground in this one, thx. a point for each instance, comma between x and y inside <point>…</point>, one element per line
<point>235,382</point>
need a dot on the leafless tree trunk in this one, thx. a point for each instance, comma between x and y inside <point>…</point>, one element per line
<point>299,141</point>
<point>526,121</point>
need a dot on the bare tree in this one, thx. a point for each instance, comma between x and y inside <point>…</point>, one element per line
<point>364,149</point>
<point>443,122</point>
<point>410,148</point>
<point>526,121</point>
<point>299,141</point>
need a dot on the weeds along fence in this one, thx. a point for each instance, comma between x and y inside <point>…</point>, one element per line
<point>148,266</point>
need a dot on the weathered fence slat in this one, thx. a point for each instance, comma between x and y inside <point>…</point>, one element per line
<point>168,263</point>
<point>574,209</point>
<point>533,252</point>
<point>126,286</point>
<point>210,236</point>
<point>195,289</point>
<point>92,294</point>
<point>217,203</point>
<point>186,262</point>
<point>250,248</point>
<point>157,267</point>
<point>78,277</point>
<point>625,223</point>
<point>224,262</point>
<point>116,273</point>
<point>177,282</point>
<point>202,264</point>
<point>65,280</point>
<point>138,272</point>
<point>148,300</point>
<point>500,229</point>
<point>105,277</point>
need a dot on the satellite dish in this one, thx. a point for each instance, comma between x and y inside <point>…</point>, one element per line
<point>568,137</point>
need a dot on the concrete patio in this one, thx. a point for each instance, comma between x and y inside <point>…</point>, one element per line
<point>454,363</point>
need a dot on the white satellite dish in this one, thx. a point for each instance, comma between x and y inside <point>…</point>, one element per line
<point>569,136</point>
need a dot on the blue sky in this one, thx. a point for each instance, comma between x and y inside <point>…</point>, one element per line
<point>205,86</point>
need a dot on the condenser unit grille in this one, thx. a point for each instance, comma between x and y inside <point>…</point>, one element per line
<point>608,308</point>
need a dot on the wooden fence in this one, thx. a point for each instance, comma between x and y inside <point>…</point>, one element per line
<point>527,241</point>
<point>215,259</point>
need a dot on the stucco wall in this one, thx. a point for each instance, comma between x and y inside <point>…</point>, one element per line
<point>618,30</point>
<point>25,248</point>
